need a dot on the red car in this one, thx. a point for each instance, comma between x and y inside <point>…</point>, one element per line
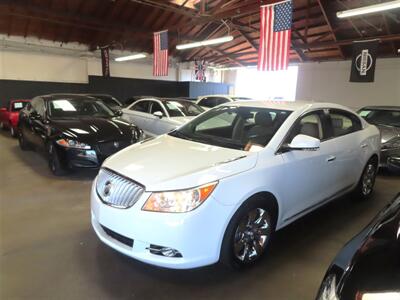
<point>9,115</point>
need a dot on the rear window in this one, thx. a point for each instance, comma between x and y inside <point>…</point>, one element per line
<point>17,106</point>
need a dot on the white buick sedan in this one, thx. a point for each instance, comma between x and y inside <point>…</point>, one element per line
<point>218,187</point>
<point>156,116</point>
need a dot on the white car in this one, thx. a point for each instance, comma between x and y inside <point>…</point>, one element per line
<point>217,188</point>
<point>157,116</point>
<point>211,101</point>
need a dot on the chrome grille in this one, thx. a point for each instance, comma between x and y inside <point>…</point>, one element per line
<point>116,190</point>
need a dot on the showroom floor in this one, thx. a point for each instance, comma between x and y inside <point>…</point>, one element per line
<point>49,251</point>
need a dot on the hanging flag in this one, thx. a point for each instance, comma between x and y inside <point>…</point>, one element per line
<point>160,54</point>
<point>275,35</point>
<point>364,61</point>
<point>105,61</point>
<point>200,70</point>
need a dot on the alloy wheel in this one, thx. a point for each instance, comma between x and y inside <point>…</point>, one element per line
<point>251,236</point>
<point>368,179</point>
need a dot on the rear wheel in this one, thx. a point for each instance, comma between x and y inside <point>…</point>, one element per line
<point>23,144</point>
<point>248,234</point>
<point>13,131</point>
<point>54,161</point>
<point>366,184</point>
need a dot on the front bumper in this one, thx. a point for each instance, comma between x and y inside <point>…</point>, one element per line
<point>197,235</point>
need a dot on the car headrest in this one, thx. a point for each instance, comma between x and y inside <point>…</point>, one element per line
<point>310,129</point>
<point>263,119</point>
<point>337,123</point>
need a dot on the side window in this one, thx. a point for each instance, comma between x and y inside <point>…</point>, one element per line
<point>343,122</point>
<point>310,124</point>
<point>208,102</point>
<point>155,106</point>
<point>221,101</point>
<point>142,106</point>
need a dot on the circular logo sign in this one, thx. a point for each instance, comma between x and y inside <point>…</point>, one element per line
<point>364,66</point>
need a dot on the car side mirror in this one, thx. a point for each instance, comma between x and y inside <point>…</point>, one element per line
<point>158,114</point>
<point>304,142</point>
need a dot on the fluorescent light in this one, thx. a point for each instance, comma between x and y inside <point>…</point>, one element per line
<point>130,57</point>
<point>205,43</point>
<point>368,9</point>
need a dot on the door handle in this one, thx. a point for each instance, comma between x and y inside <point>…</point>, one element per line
<point>364,145</point>
<point>331,158</point>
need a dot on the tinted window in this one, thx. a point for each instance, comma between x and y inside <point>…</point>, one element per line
<point>234,127</point>
<point>343,122</point>
<point>177,108</point>
<point>208,102</point>
<point>155,106</point>
<point>222,101</point>
<point>142,106</point>
<point>310,124</point>
<point>381,116</point>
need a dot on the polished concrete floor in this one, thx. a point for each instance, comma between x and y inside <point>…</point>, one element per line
<point>49,251</point>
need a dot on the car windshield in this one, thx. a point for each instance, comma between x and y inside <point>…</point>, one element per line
<point>108,100</point>
<point>18,105</point>
<point>179,108</point>
<point>78,107</point>
<point>234,127</point>
<point>381,116</point>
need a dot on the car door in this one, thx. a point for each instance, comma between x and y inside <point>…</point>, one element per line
<point>157,125</point>
<point>38,126</point>
<point>138,113</point>
<point>350,147</point>
<point>309,175</point>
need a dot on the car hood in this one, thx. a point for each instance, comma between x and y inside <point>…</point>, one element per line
<point>388,132</point>
<point>93,130</point>
<point>170,163</point>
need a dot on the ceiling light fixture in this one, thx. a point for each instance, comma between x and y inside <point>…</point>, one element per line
<point>205,43</point>
<point>131,57</point>
<point>368,9</point>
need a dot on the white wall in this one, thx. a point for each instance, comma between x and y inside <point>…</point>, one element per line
<point>18,65</point>
<point>329,81</point>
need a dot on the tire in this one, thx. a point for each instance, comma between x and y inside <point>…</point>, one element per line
<point>13,132</point>
<point>54,161</point>
<point>248,235</point>
<point>23,144</point>
<point>366,184</point>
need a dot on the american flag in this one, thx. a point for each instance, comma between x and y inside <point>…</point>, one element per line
<point>200,69</point>
<point>275,32</point>
<point>160,55</point>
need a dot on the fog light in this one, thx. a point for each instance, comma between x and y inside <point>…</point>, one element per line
<point>164,251</point>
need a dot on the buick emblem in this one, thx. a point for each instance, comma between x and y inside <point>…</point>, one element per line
<point>116,144</point>
<point>107,188</point>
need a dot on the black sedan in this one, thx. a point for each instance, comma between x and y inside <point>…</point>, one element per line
<point>387,119</point>
<point>368,267</point>
<point>75,131</point>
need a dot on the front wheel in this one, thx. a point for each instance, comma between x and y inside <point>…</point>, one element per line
<point>248,235</point>
<point>366,184</point>
<point>54,161</point>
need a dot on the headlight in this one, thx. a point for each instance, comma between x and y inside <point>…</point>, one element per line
<point>393,143</point>
<point>179,201</point>
<point>68,143</point>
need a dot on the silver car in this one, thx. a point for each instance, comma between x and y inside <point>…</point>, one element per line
<point>156,116</point>
<point>387,119</point>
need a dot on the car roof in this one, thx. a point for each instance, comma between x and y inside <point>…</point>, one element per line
<point>381,107</point>
<point>163,100</point>
<point>298,105</point>
<point>69,96</point>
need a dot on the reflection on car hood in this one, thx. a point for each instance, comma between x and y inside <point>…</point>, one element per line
<point>93,130</point>
<point>388,132</point>
<point>169,163</point>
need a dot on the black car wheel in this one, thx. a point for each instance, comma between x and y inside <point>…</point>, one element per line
<point>248,234</point>
<point>54,161</point>
<point>23,144</point>
<point>366,184</point>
